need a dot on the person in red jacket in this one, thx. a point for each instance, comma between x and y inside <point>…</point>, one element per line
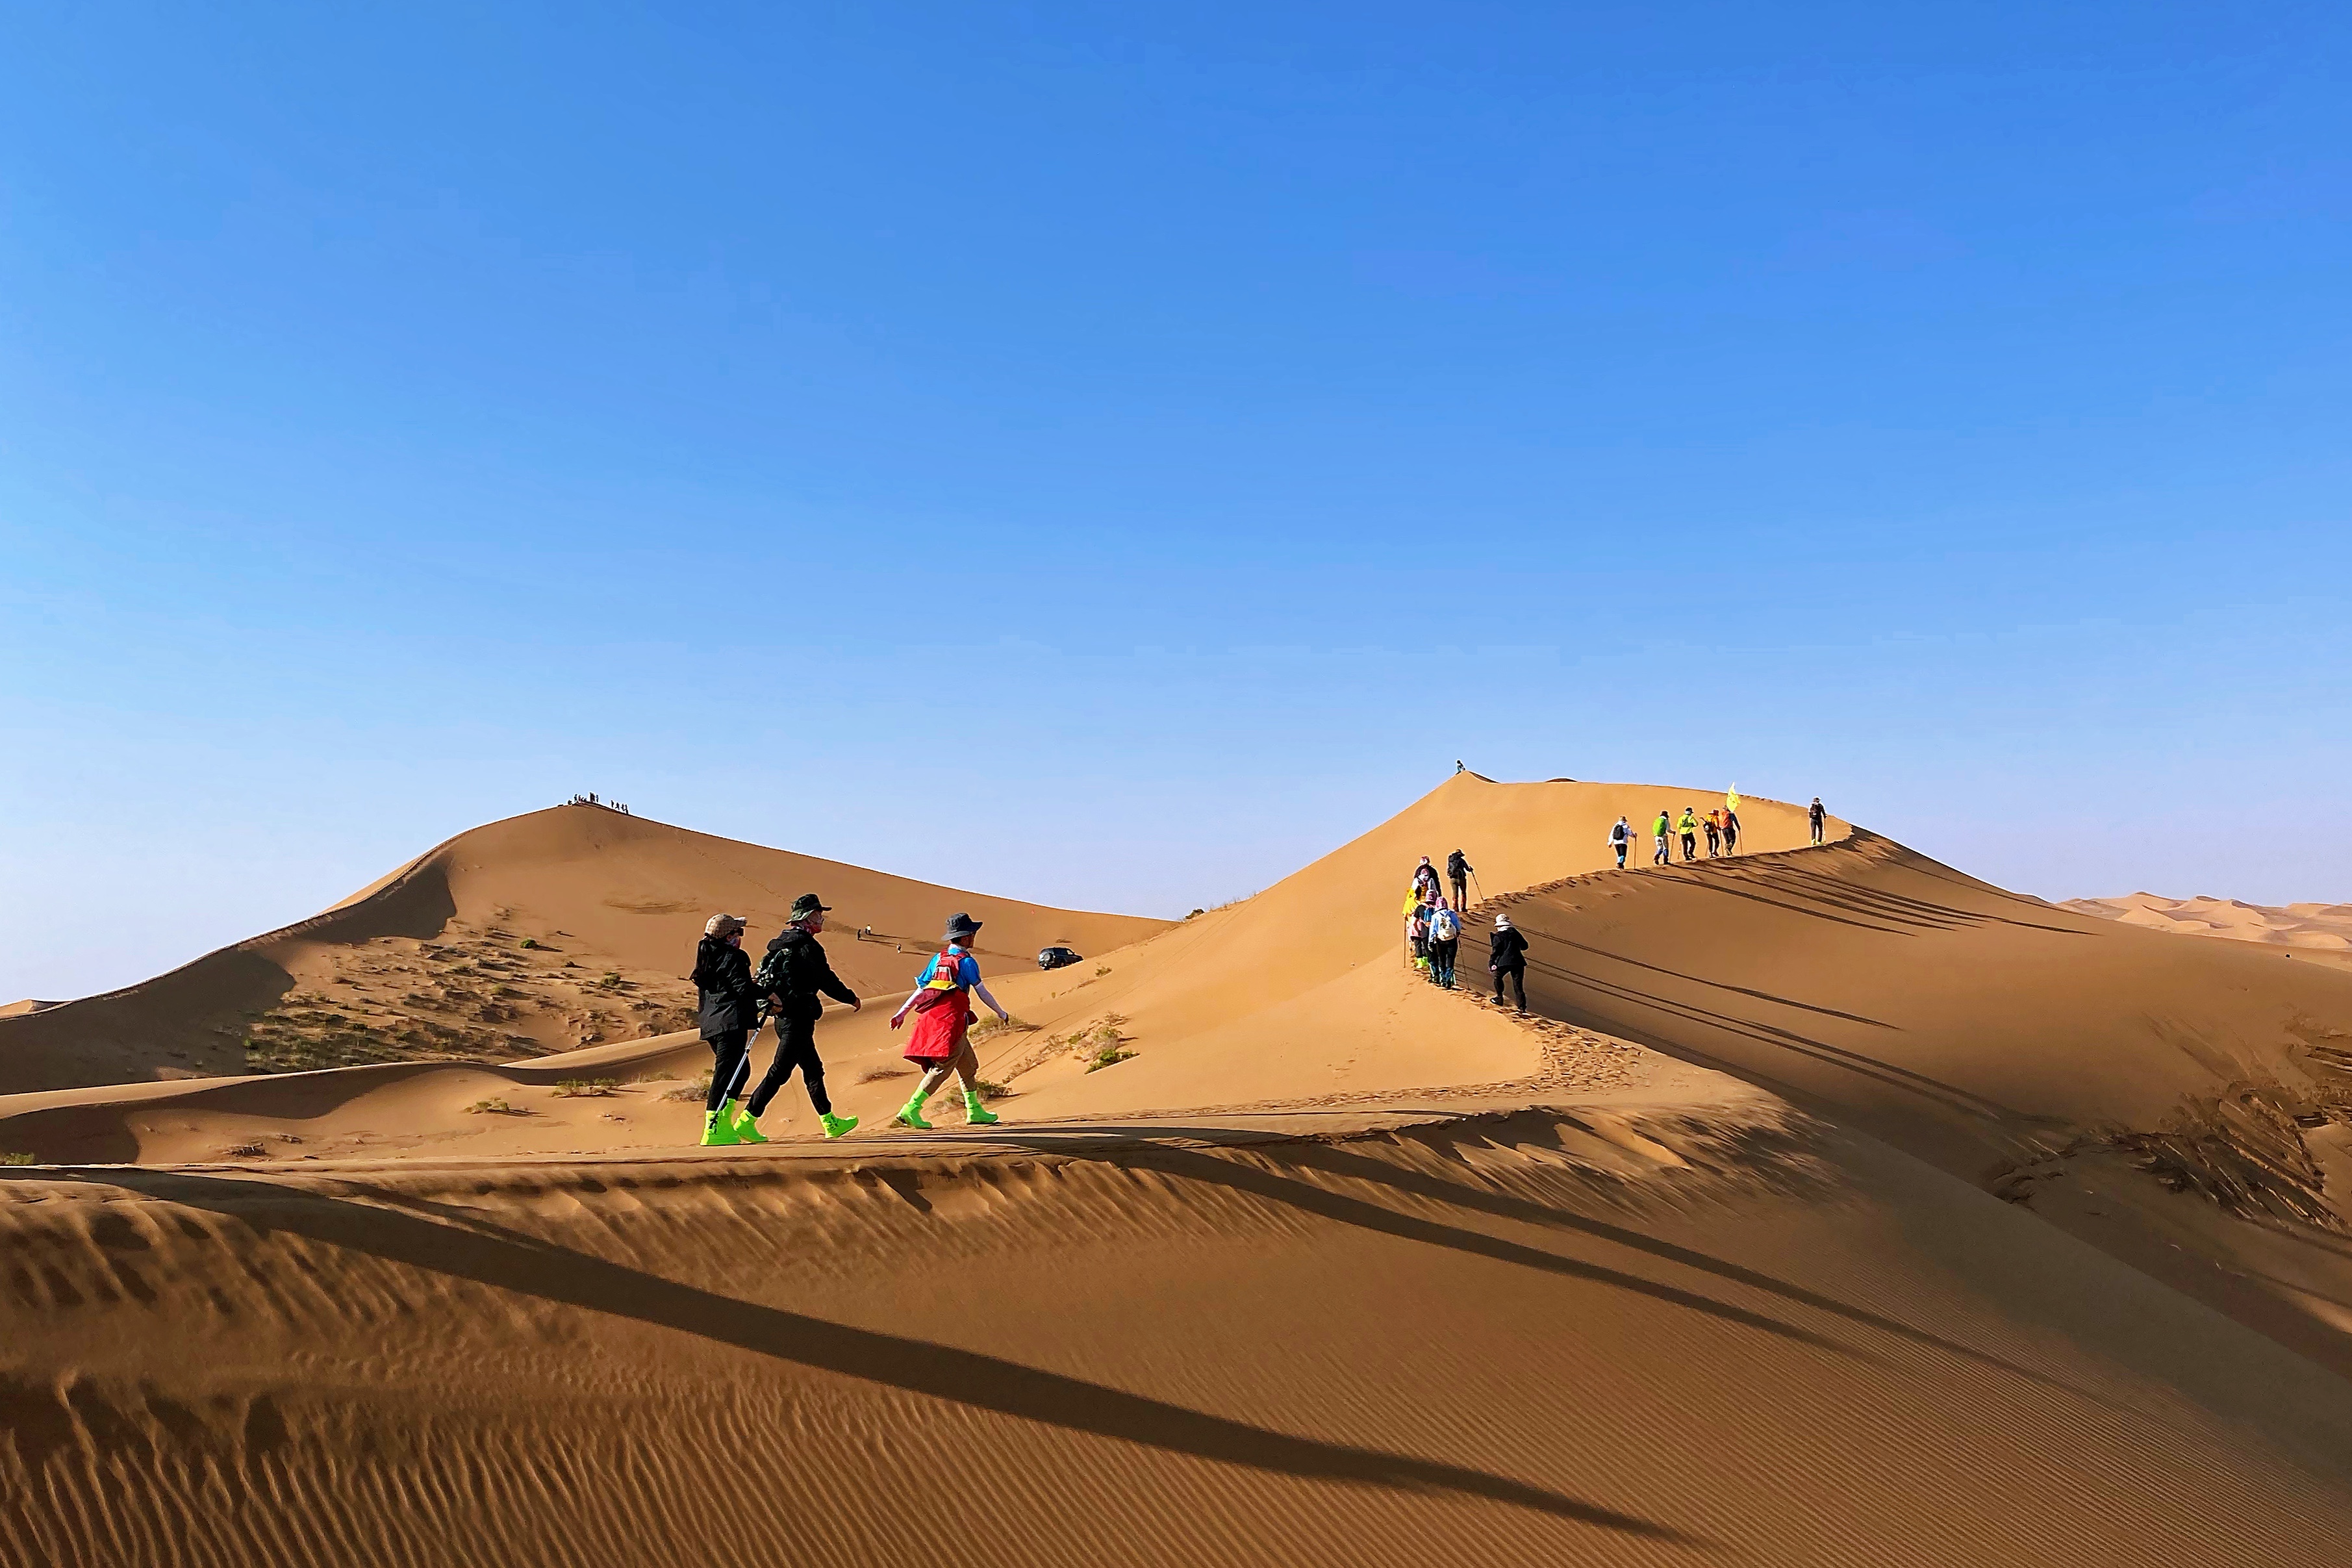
<point>940,1041</point>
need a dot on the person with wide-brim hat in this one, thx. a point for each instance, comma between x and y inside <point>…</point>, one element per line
<point>940,1042</point>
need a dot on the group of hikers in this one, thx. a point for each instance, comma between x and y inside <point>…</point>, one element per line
<point>793,979</point>
<point>1433,924</point>
<point>1433,929</point>
<point>791,983</point>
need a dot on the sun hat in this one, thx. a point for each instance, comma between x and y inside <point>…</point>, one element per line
<point>722,925</point>
<point>1502,923</point>
<point>807,905</point>
<point>962,928</point>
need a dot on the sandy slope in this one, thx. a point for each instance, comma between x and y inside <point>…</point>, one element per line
<point>2058,1059</point>
<point>1504,1340</point>
<point>1883,1269</point>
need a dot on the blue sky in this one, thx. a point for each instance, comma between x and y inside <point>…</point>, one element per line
<point>1112,457</point>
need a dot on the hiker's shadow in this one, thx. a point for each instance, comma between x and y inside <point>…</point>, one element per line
<point>445,1240</point>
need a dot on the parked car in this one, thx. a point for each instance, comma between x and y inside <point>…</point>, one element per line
<point>1059,958</point>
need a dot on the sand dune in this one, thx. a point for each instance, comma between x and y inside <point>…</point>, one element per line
<point>2083,1066</point>
<point>1839,1209</point>
<point>2321,928</point>
<point>1501,1340</point>
<point>432,961</point>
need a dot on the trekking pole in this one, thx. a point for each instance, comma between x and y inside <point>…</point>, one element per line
<point>1480,891</point>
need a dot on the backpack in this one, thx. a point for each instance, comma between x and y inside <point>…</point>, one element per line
<point>1443,927</point>
<point>770,976</point>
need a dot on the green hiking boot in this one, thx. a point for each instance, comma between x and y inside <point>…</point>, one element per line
<point>834,1126</point>
<point>911,1115</point>
<point>717,1132</point>
<point>978,1115</point>
<point>739,1117</point>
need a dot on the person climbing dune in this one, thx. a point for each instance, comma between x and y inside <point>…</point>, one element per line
<point>1815,817</point>
<point>1621,838</point>
<point>1507,959</point>
<point>1444,940</point>
<point>940,1042</point>
<point>1662,855</point>
<point>1458,871</point>
<point>727,1014</point>
<point>1424,880</point>
<point>1730,831</point>
<point>1714,825</point>
<point>1688,828</point>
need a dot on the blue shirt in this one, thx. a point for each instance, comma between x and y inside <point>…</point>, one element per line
<point>967,970</point>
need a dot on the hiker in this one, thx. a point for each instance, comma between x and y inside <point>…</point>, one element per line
<point>940,1041</point>
<point>1688,828</point>
<point>1730,831</point>
<point>1662,855</point>
<point>795,972</point>
<point>1458,870</point>
<point>1621,838</point>
<point>1445,938</point>
<point>727,1015</point>
<point>1507,959</point>
<point>1424,880</point>
<point>1416,934</point>
<point>1713,833</point>
<point>1816,816</point>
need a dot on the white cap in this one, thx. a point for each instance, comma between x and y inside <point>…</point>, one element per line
<point>1502,923</point>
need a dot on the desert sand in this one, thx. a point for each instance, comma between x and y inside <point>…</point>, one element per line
<point>2323,931</point>
<point>1834,1207</point>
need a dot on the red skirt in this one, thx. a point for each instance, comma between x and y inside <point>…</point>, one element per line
<point>939,1031</point>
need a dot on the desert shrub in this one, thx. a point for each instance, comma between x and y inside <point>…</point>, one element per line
<point>246,1150</point>
<point>612,980</point>
<point>528,943</point>
<point>698,1091</point>
<point>1101,970</point>
<point>990,1089</point>
<point>992,1029</point>
<point>585,1087</point>
<point>18,1158</point>
<point>493,1107</point>
<point>1109,1056</point>
<point>888,1070</point>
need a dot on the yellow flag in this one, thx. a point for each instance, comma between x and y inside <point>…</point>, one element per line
<point>1732,799</point>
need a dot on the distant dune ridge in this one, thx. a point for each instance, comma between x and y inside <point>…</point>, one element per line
<point>1834,1207</point>
<point>2326,928</point>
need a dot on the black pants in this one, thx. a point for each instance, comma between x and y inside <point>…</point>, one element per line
<point>1461,894</point>
<point>1817,833</point>
<point>1619,845</point>
<point>732,1066</point>
<point>1730,842</point>
<point>1690,846</point>
<point>795,1048</point>
<point>1517,975</point>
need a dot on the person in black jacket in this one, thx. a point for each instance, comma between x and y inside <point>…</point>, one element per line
<point>1457,872</point>
<point>729,1013</point>
<point>1507,959</point>
<point>803,980</point>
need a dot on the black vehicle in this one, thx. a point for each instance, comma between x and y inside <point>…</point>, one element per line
<point>1059,958</point>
